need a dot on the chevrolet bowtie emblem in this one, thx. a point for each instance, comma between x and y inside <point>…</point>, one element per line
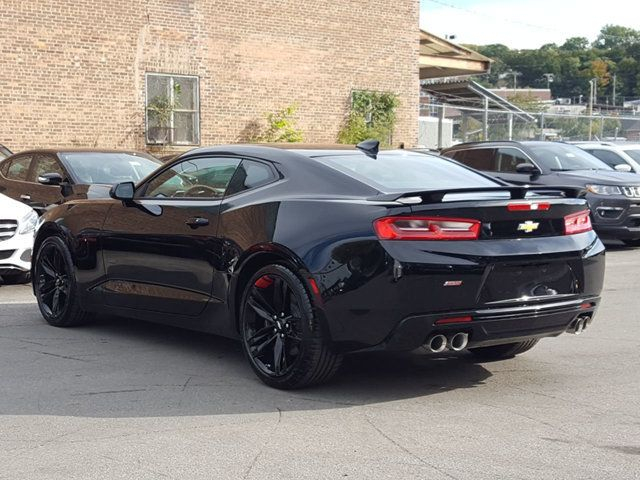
<point>528,226</point>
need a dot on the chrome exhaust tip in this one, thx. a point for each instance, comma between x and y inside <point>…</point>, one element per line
<point>436,343</point>
<point>579,326</point>
<point>459,341</point>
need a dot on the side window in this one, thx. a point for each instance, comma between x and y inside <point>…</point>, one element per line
<point>194,178</point>
<point>46,164</point>
<point>479,158</point>
<point>4,167</point>
<point>610,158</point>
<point>509,158</point>
<point>250,174</point>
<point>19,168</point>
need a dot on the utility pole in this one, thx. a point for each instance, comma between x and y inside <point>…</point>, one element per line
<point>515,80</point>
<point>550,78</point>
<point>515,77</point>
<point>615,78</point>
<point>592,87</point>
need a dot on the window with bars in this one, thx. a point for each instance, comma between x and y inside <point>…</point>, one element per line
<point>172,109</point>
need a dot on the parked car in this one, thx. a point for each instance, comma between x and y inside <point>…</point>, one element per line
<point>17,224</point>
<point>41,178</point>
<point>306,255</point>
<point>4,152</point>
<point>614,197</point>
<point>624,157</point>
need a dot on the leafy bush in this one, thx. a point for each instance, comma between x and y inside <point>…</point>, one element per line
<point>281,127</point>
<point>372,115</point>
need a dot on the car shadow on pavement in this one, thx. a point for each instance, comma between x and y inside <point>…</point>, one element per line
<point>125,368</point>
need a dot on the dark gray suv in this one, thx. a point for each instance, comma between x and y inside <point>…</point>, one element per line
<point>614,197</point>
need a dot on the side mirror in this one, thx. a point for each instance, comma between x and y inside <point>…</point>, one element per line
<point>623,167</point>
<point>528,169</point>
<point>123,191</point>
<point>52,179</point>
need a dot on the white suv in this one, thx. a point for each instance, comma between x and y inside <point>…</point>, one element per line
<point>17,227</point>
<point>616,155</point>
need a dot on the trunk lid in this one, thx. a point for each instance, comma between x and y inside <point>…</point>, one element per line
<point>522,252</point>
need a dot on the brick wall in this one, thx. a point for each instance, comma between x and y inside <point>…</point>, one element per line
<point>72,71</point>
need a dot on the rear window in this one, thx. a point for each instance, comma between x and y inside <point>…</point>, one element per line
<point>109,168</point>
<point>635,154</point>
<point>399,172</point>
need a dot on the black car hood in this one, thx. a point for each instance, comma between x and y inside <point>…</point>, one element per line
<point>604,177</point>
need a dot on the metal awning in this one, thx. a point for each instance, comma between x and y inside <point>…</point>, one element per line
<point>469,94</point>
<point>440,58</point>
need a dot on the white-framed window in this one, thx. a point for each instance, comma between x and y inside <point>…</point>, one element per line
<point>172,109</point>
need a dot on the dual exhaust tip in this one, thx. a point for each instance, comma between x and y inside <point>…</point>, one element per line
<point>579,325</point>
<point>439,343</point>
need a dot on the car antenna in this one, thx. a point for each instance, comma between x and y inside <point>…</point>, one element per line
<point>370,148</point>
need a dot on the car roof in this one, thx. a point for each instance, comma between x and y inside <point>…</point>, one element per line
<point>304,165</point>
<point>56,151</point>
<point>489,143</point>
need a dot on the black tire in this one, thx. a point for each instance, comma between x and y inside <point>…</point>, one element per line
<point>17,278</point>
<point>281,336</point>
<point>55,285</point>
<point>501,352</point>
<point>632,243</point>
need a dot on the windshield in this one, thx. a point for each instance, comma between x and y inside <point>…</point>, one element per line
<point>559,157</point>
<point>109,168</point>
<point>634,153</point>
<point>406,171</point>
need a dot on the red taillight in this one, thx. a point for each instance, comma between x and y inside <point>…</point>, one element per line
<point>446,321</point>
<point>577,223</point>
<point>426,228</point>
<point>528,207</point>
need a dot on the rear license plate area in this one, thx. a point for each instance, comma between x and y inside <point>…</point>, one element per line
<point>515,281</point>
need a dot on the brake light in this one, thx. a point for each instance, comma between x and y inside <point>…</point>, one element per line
<point>577,223</point>
<point>426,228</point>
<point>446,321</point>
<point>527,207</point>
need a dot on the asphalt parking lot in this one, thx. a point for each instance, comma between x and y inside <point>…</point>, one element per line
<point>123,399</point>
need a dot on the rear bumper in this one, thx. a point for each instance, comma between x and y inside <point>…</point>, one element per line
<point>493,326</point>
<point>395,306</point>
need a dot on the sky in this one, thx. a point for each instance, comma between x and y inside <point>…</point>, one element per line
<point>524,23</point>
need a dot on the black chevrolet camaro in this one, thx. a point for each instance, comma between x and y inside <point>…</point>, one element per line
<point>305,255</point>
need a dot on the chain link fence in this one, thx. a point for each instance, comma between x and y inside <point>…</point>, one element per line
<point>443,125</point>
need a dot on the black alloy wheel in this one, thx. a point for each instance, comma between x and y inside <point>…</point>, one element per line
<point>54,285</point>
<point>281,335</point>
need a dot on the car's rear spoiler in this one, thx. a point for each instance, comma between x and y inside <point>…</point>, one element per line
<point>516,193</point>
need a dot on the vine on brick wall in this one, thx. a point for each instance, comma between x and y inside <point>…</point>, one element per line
<point>372,115</point>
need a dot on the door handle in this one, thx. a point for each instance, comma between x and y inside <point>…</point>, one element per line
<point>197,222</point>
<point>25,197</point>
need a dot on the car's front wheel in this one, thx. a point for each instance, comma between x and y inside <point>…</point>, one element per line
<point>281,335</point>
<point>55,285</point>
<point>501,352</point>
